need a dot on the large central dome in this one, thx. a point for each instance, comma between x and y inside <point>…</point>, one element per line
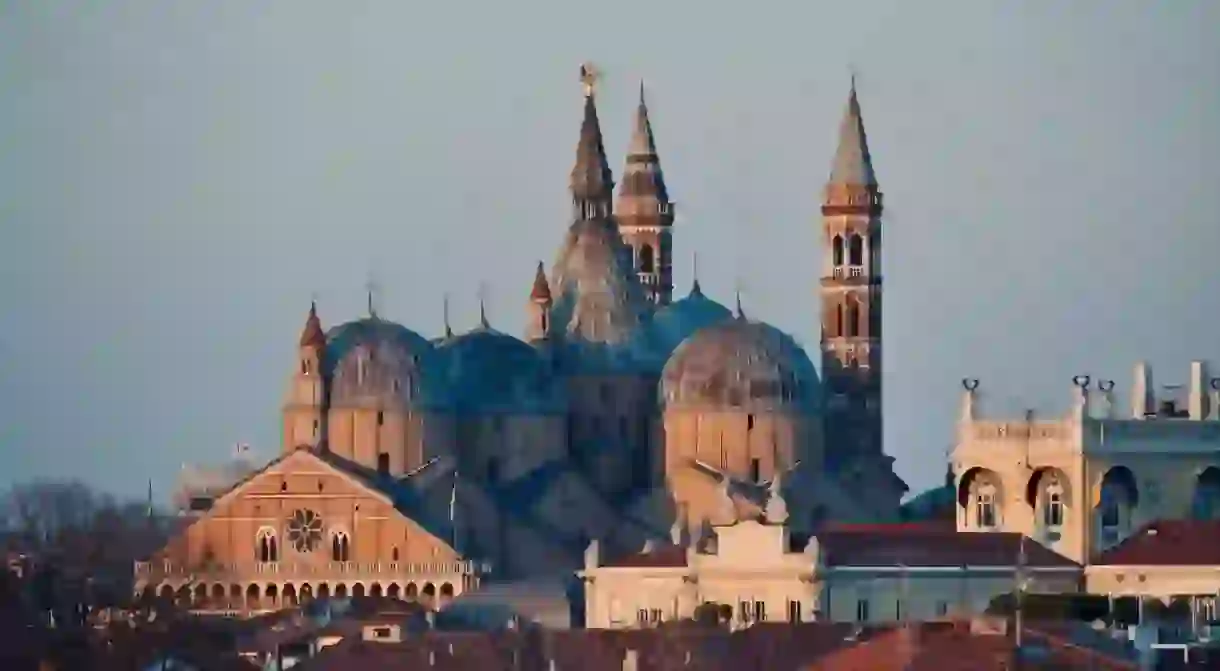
<point>740,364</point>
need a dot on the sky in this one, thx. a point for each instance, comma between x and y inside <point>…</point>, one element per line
<point>178,180</point>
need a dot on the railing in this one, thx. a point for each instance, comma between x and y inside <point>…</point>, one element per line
<point>164,570</point>
<point>840,272</point>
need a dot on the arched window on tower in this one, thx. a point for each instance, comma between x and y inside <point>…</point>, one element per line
<point>853,317</point>
<point>647,259</point>
<point>836,250</point>
<point>339,546</point>
<point>838,325</point>
<point>855,253</point>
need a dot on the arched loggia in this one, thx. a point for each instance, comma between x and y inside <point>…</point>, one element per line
<point>980,498</point>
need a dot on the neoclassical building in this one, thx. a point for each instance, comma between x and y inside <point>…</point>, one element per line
<point>418,465</point>
<point>1082,483</point>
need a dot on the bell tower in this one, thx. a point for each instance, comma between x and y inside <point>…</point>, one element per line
<point>305,406</point>
<point>851,297</point>
<point>644,212</point>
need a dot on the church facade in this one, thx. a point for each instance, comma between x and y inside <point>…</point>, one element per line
<point>421,467</point>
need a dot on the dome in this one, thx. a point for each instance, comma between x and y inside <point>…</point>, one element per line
<point>740,364</point>
<point>487,371</point>
<point>677,321</point>
<point>373,362</point>
<point>599,306</point>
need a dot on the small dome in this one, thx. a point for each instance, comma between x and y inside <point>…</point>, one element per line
<point>490,371</point>
<point>677,321</point>
<point>740,364</point>
<point>374,362</point>
<point>599,305</point>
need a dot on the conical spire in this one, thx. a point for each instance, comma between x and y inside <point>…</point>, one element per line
<point>312,335</point>
<point>642,196</point>
<point>853,165</point>
<point>541,292</point>
<point>592,183</point>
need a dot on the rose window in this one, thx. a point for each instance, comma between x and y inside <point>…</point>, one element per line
<point>305,530</point>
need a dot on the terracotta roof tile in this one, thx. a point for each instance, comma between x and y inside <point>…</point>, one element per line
<point>925,548</point>
<point>1167,543</point>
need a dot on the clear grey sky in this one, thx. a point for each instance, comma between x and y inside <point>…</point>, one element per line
<point>177,179</point>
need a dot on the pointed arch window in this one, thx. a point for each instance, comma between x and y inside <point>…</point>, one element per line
<point>647,259</point>
<point>853,317</point>
<point>855,252</point>
<point>838,326</point>
<point>1053,507</point>
<point>266,546</point>
<point>836,250</point>
<point>339,546</point>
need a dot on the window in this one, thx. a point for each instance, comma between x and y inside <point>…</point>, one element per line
<point>836,247</point>
<point>942,608</point>
<point>394,553</point>
<point>899,610</point>
<point>756,470</point>
<point>284,486</point>
<point>647,259</point>
<point>383,463</point>
<point>794,611</point>
<point>305,367</point>
<point>380,418</point>
<point>985,510</point>
<point>316,425</point>
<point>853,318</point>
<point>749,422</point>
<point>381,632</point>
<point>641,616</point>
<point>855,251</point>
<point>1052,512</point>
<point>760,611</point>
<point>266,548</point>
<point>339,547</point>
<point>862,610</point>
<point>654,615</point>
<point>743,612</point>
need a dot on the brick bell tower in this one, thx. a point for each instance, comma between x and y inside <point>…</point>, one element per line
<point>644,212</point>
<point>851,298</point>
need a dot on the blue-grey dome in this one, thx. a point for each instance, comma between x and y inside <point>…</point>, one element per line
<point>741,364</point>
<point>677,321</point>
<point>489,371</point>
<point>374,362</point>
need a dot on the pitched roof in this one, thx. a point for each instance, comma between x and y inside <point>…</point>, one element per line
<point>313,335</point>
<point>1167,543</point>
<point>920,546</point>
<point>666,555</point>
<point>853,165</point>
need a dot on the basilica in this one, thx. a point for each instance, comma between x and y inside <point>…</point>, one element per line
<point>424,466</point>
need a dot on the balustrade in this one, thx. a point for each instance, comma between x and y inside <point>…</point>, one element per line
<point>351,569</point>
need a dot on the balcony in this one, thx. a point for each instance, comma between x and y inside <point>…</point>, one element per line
<point>852,275</point>
<point>157,571</point>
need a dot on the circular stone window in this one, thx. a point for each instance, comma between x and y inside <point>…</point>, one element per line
<point>305,530</point>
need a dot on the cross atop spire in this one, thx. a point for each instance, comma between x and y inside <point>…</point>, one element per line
<point>592,183</point>
<point>372,292</point>
<point>448,327</point>
<point>695,289</point>
<point>483,323</point>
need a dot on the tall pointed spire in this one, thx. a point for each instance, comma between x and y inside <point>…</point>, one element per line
<point>312,335</point>
<point>592,182</point>
<point>643,209</point>
<point>541,291</point>
<point>853,165</point>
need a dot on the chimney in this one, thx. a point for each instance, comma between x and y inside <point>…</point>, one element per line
<point>631,661</point>
<point>1143,405</point>
<point>1198,403</point>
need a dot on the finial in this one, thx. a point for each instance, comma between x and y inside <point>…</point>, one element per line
<point>695,289</point>
<point>642,103</point>
<point>740,313</point>
<point>448,328</point>
<point>483,306</point>
<point>852,70</point>
<point>371,288</point>
<point>589,76</point>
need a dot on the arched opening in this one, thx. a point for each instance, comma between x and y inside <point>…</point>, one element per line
<point>855,252</point>
<point>218,595</point>
<point>1118,498</point>
<point>647,259</point>
<point>375,590</point>
<point>290,596</point>
<point>323,591</point>
<point>358,590</point>
<point>428,595</point>
<point>394,591</point>
<point>446,592</point>
<point>412,592</point>
<point>235,593</point>
<point>1047,493</point>
<point>836,250</point>
<point>979,496</point>
<point>266,548</point>
<point>1205,502</point>
<point>339,546</point>
<point>252,600</point>
<point>341,591</point>
<point>306,593</point>
<point>273,594</point>
<point>838,326</point>
<point>853,317</point>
